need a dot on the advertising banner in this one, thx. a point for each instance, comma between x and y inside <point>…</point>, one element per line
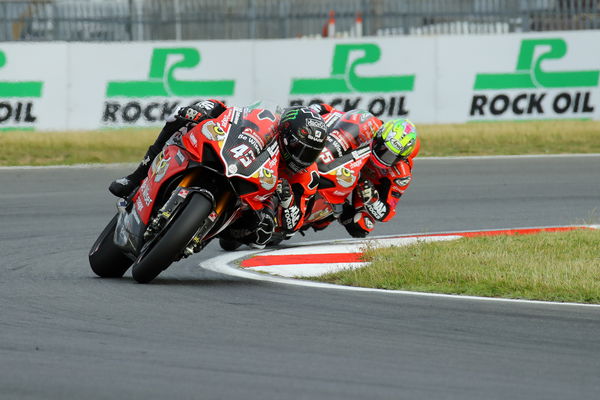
<point>546,75</point>
<point>390,78</point>
<point>140,84</point>
<point>33,86</point>
<point>438,79</point>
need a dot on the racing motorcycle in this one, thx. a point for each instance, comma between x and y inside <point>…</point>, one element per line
<point>198,185</point>
<point>346,151</point>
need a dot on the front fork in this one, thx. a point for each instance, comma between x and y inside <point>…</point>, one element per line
<point>167,211</point>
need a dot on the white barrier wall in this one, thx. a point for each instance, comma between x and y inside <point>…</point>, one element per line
<point>50,86</point>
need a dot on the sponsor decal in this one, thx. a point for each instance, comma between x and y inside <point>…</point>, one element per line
<point>377,209</point>
<point>160,165</point>
<point>531,91</point>
<point>212,131</point>
<point>179,157</point>
<point>291,216</point>
<point>345,177</point>
<point>145,191</point>
<point>402,181</point>
<point>151,101</point>
<point>345,89</point>
<point>267,178</point>
<point>17,101</point>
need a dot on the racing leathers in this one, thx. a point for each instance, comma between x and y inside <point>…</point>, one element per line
<point>377,193</point>
<point>376,196</point>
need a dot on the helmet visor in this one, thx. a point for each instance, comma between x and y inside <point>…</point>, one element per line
<point>384,154</point>
<point>300,154</point>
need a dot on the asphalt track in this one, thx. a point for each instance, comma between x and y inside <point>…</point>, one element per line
<point>195,334</point>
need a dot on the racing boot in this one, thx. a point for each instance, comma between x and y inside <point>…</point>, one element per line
<point>123,187</point>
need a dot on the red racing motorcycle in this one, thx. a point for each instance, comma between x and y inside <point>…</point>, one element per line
<point>346,151</point>
<point>196,187</point>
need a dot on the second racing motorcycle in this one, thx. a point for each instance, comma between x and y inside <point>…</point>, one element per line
<point>346,151</point>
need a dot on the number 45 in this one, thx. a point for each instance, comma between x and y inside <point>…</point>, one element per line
<point>244,154</point>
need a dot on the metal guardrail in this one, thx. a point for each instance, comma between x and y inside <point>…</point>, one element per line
<point>124,20</point>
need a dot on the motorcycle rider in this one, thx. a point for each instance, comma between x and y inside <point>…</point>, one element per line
<point>384,178</point>
<point>301,135</point>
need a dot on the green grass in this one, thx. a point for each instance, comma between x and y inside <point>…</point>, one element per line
<point>128,145</point>
<point>76,147</point>
<point>507,138</point>
<point>561,267</point>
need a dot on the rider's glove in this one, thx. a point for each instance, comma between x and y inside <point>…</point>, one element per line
<point>367,192</point>
<point>370,199</point>
<point>264,231</point>
<point>358,223</point>
<point>284,193</point>
<point>200,111</point>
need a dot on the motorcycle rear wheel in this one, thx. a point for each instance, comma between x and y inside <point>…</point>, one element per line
<point>106,259</point>
<point>173,239</point>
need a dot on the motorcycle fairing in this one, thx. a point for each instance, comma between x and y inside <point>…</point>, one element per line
<point>171,161</point>
<point>248,153</point>
<point>342,175</point>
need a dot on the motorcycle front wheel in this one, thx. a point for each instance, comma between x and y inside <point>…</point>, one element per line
<point>173,239</point>
<point>106,259</point>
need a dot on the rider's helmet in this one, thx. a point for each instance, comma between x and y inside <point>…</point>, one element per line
<point>395,141</point>
<point>301,134</point>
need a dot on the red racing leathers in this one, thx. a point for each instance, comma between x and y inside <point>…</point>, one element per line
<point>379,189</point>
<point>376,196</point>
<point>294,192</point>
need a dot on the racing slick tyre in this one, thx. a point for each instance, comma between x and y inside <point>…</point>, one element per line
<point>106,259</point>
<point>162,251</point>
<point>229,245</point>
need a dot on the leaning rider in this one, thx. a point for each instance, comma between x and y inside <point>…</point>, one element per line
<point>384,178</point>
<point>301,137</point>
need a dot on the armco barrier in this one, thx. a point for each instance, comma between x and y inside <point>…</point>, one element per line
<point>449,79</point>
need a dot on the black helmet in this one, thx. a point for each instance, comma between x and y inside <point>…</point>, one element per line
<point>301,134</point>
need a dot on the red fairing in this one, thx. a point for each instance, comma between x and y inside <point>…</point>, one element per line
<point>346,152</point>
<point>171,161</point>
<point>308,180</point>
<point>244,140</point>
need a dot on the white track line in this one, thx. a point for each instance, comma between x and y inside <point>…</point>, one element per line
<point>225,264</point>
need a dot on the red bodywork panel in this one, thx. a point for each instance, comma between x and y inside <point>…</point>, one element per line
<point>244,142</point>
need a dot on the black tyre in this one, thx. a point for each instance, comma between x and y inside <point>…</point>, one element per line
<point>174,238</point>
<point>106,259</point>
<point>229,245</point>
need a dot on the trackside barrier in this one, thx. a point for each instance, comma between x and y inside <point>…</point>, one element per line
<point>437,79</point>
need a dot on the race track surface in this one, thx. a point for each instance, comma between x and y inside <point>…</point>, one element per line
<point>193,334</point>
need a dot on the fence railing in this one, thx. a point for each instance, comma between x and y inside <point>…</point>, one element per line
<point>123,20</point>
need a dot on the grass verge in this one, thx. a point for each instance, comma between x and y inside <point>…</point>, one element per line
<point>75,147</point>
<point>562,267</point>
<point>129,145</point>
